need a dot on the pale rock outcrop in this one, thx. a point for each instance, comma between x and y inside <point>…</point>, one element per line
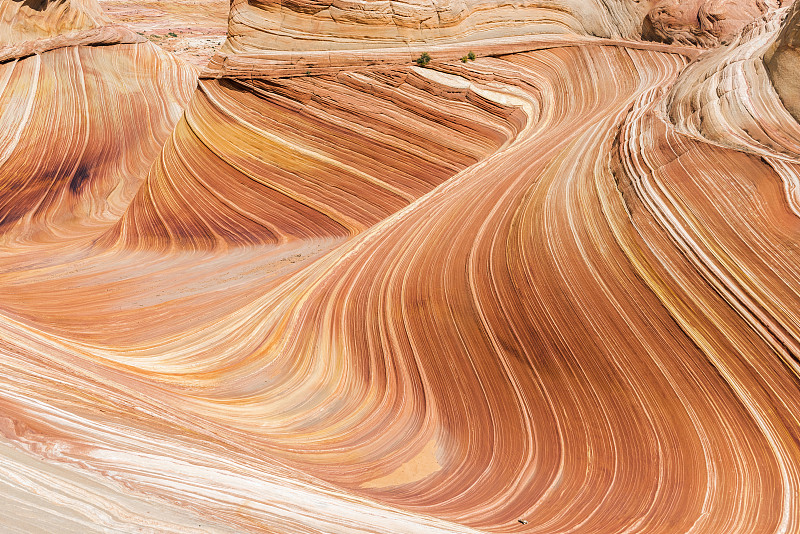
<point>190,29</point>
<point>728,98</point>
<point>782,59</point>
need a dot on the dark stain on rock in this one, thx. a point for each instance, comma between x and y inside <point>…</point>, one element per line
<point>36,5</point>
<point>79,180</point>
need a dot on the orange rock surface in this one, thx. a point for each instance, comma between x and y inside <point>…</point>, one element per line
<point>326,290</point>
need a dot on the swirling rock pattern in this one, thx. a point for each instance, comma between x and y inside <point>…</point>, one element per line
<point>265,161</point>
<point>525,293</point>
<point>726,97</point>
<point>81,177</point>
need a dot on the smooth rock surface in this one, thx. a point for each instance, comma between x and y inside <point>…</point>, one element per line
<point>783,62</point>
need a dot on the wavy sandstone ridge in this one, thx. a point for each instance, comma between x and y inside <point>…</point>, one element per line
<point>555,284</point>
<point>81,176</point>
<point>270,161</point>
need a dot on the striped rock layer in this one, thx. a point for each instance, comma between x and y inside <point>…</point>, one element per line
<point>553,289</point>
<point>358,24</point>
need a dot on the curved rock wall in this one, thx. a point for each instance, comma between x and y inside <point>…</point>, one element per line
<point>83,112</point>
<point>103,127</point>
<point>333,24</point>
<point>727,96</point>
<point>271,161</point>
<point>783,61</point>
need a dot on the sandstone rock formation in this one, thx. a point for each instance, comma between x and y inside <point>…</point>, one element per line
<point>336,24</point>
<point>80,125</point>
<point>726,96</point>
<point>24,20</point>
<point>783,61</point>
<point>702,22</point>
<point>550,289</point>
<point>190,29</point>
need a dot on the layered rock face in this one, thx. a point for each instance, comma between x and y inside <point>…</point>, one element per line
<point>727,97</point>
<point>551,288</point>
<point>331,25</point>
<point>80,123</point>
<point>81,176</point>
<point>274,161</point>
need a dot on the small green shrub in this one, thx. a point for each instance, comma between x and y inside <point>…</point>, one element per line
<point>423,60</point>
<point>172,34</point>
<point>471,55</point>
<point>464,59</point>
